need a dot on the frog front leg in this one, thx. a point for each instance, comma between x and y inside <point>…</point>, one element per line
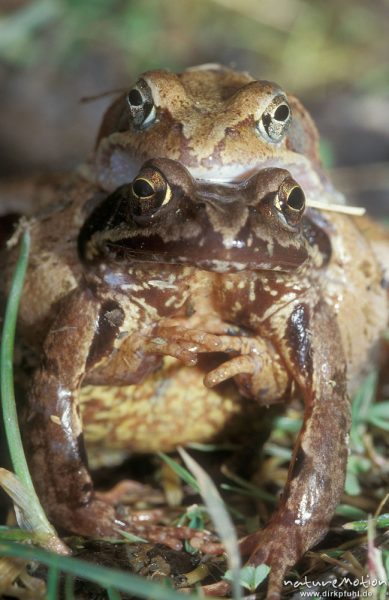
<point>312,350</point>
<point>53,430</point>
<point>81,337</point>
<point>253,362</point>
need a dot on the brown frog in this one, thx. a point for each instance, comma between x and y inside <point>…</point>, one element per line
<point>219,123</point>
<point>170,267</point>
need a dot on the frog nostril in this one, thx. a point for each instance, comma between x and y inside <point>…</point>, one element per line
<point>142,188</point>
<point>282,113</point>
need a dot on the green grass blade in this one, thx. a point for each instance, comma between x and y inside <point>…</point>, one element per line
<point>69,587</point>
<point>250,493</point>
<point>245,487</point>
<point>113,594</point>
<point>7,349</point>
<point>180,471</point>
<point>130,537</point>
<point>103,576</point>
<point>52,583</point>
<point>41,524</point>
<point>381,522</point>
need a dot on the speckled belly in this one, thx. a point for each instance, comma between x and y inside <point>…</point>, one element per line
<point>170,408</point>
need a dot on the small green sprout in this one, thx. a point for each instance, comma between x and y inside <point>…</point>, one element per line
<point>251,577</point>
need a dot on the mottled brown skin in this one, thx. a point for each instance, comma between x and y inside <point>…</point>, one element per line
<point>213,120</point>
<point>192,269</point>
<point>54,267</point>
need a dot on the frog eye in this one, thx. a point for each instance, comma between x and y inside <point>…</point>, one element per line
<point>150,191</point>
<point>290,201</point>
<point>141,104</point>
<point>276,119</point>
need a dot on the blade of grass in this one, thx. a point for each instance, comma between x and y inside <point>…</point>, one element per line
<point>7,349</point>
<point>221,519</point>
<point>130,537</point>
<point>378,415</point>
<point>251,493</point>
<point>113,594</point>
<point>381,522</point>
<point>246,487</point>
<point>69,587</point>
<point>212,447</point>
<point>181,471</point>
<point>277,451</point>
<point>42,527</point>
<point>287,424</point>
<point>52,583</point>
<point>14,534</point>
<point>104,576</point>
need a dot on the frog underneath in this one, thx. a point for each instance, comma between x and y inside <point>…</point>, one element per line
<point>170,268</point>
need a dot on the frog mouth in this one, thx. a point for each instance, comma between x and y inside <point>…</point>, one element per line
<point>238,256</point>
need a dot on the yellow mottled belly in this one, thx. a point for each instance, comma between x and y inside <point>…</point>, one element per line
<point>170,408</point>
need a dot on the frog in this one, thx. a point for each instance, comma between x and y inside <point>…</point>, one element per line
<point>220,123</point>
<point>172,267</point>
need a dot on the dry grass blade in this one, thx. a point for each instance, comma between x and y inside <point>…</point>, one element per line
<point>26,514</point>
<point>355,211</point>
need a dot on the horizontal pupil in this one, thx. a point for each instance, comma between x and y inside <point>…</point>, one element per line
<point>142,188</point>
<point>135,98</point>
